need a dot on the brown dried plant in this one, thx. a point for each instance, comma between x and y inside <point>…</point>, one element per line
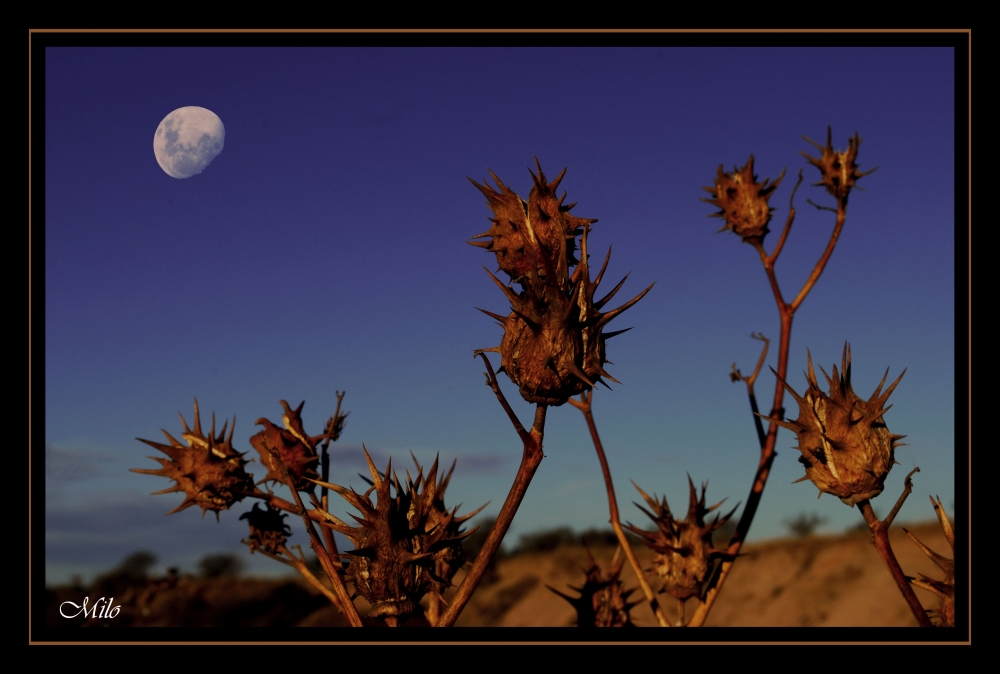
<point>944,589</point>
<point>684,552</point>
<point>407,543</point>
<point>743,203</point>
<point>603,600</point>
<point>207,469</point>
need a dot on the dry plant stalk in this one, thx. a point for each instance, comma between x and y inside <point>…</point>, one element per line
<point>743,204</point>
<point>553,345</point>
<point>212,475</point>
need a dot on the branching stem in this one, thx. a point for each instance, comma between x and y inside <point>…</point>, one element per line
<point>786,313</point>
<point>346,605</point>
<point>880,538</point>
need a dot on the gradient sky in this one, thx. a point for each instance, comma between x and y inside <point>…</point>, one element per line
<point>324,250</point>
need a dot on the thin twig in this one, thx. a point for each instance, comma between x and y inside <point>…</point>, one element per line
<point>907,490</point>
<point>585,406</point>
<point>821,265</point>
<point>738,376</point>
<point>300,566</point>
<point>531,457</point>
<point>788,223</point>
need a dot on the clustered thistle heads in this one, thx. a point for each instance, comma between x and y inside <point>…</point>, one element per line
<point>846,448</point>
<point>268,530</point>
<point>207,469</point>
<point>743,201</point>
<point>603,601</point>
<point>839,172</point>
<point>684,553</point>
<point>552,347</point>
<point>944,589</point>
<point>295,449</point>
<point>407,544</point>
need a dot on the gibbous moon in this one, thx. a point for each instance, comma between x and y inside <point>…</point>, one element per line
<point>187,140</point>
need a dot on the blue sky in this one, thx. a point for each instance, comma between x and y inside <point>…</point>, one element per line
<point>324,249</point>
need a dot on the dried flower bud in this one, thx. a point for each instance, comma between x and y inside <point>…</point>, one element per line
<point>603,602</point>
<point>684,552</point>
<point>208,470</point>
<point>407,544</point>
<point>846,448</point>
<point>268,530</point>
<point>552,347</point>
<point>839,172</point>
<point>296,450</point>
<point>743,201</point>
<point>944,589</point>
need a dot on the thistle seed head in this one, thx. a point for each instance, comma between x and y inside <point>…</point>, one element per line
<point>839,172</point>
<point>295,449</point>
<point>743,201</point>
<point>553,345</point>
<point>268,530</point>
<point>846,448</point>
<point>603,601</point>
<point>207,469</point>
<point>684,553</point>
<point>407,544</point>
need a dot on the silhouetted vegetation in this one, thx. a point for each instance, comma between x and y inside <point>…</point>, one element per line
<point>137,565</point>
<point>219,565</point>
<point>804,525</point>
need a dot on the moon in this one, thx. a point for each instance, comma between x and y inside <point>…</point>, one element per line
<point>187,140</point>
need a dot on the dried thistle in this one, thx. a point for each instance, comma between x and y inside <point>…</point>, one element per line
<point>944,589</point>
<point>846,448</point>
<point>603,601</point>
<point>552,347</point>
<point>684,552</point>
<point>407,543</point>
<point>743,201</point>
<point>296,449</point>
<point>839,172</point>
<point>268,530</point>
<point>207,469</point>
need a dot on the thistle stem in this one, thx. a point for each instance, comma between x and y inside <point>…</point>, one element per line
<point>880,538</point>
<point>586,407</point>
<point>787,313</point>
<point>301,567</point>
<point>530,459</point>
<point>346,605</point>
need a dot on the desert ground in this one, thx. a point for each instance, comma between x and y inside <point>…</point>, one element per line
<point>811,581</point>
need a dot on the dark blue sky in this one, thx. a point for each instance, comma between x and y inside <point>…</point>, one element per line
<point>324,250</point>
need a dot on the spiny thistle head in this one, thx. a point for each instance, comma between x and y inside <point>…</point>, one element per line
<point>846,448</point>
<point>603,601</point>
<point>553,345</point>
<point>838,171</point>
<point>684,552</point>
<point>743,201</point>
<point>268,530</point>
<point>407,544</point>
<point>207,469</point>
<point>295,449</point>
<point>944,589</point>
